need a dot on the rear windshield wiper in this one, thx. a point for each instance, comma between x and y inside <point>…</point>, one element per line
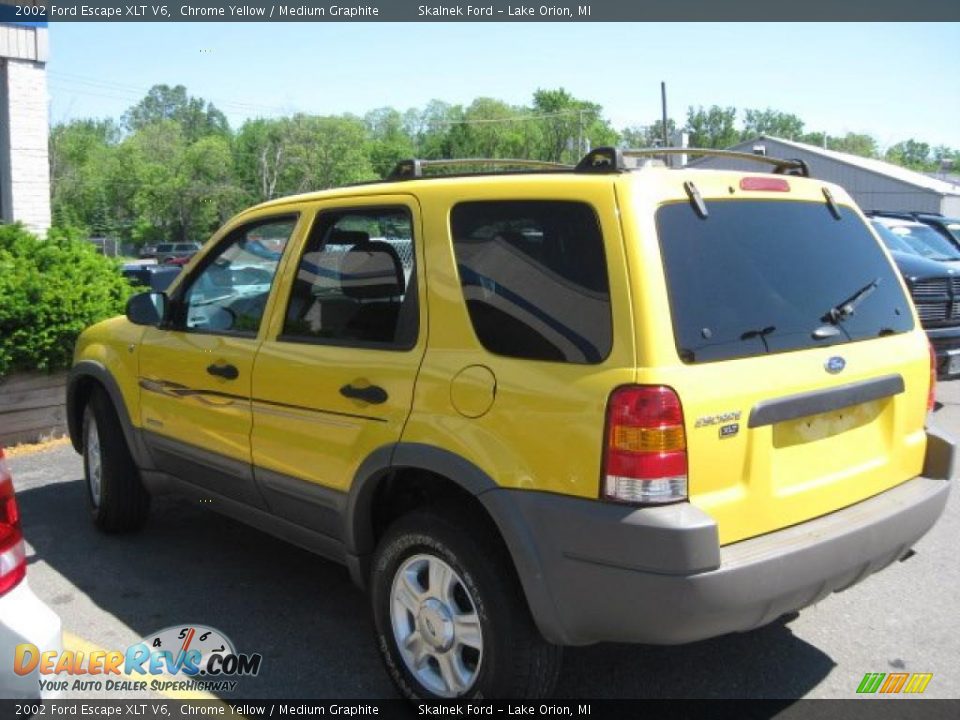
<point>842,310</point>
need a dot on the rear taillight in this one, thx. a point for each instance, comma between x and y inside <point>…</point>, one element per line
<point>932,393</point>
<point>13,561</point>
<point>645,456</point>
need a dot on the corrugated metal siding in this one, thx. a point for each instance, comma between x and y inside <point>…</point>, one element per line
<point>870,190</point>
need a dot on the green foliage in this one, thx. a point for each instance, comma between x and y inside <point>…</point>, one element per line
<point>50,290</point>
<point>174,171</point>
<point>713,127</point>
<point>195,116</point>
<point>771,122</point>
<point>912,154</point>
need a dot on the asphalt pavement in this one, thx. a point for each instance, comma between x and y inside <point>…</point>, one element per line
<point>312,626</point>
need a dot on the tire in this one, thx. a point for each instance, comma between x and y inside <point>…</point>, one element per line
<point>476,639</point>
<point>116,497</point>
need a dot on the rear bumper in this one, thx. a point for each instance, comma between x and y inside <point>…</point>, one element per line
<point>598,572</point>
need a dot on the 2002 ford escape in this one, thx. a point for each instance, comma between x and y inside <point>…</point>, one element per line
<point>539,408</point>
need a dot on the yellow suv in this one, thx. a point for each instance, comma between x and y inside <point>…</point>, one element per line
<point>542,407</point>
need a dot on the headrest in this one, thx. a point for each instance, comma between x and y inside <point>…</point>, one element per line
<point>372,271</point>
<point>348,237</point>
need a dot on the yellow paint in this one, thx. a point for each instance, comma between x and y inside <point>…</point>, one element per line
<point>544,428</point>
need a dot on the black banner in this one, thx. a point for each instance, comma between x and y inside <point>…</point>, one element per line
<point>864,709</point>
<point>46,12</point>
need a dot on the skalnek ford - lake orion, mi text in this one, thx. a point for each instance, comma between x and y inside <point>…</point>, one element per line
<point>517,11</point>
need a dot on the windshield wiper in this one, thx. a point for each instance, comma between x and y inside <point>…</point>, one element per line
<point>842,310</point>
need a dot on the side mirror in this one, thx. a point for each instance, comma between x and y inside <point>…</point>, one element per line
<point>148,308</point>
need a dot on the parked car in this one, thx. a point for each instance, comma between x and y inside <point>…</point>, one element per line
<point>155,277</point>
<point>148,251</point>
<point>935,289</point>
<point>949,227</point>
<point>169,251</point>
<point>923,239</point>
<point>561,406</point>
<point>180,261</point>
<point>24,618</point>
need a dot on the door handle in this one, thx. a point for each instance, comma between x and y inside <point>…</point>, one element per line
<point>226,370</point>
<point>373,394</point>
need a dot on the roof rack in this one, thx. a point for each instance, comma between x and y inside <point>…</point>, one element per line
<point>410,169</point>
<point>610,159</point>
<point>599,160</point>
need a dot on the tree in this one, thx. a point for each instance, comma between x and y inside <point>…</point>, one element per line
<point>388,140</point>
<point>855,144</point>
<point>569,125</point>
<point>194,115</point>
<point>493,129</point>
<point>771,123</point>
<point>713,127</point>
<point>911,154</point>
<point>430,128</point>
<point>647,136</point>
<point>261,154</point>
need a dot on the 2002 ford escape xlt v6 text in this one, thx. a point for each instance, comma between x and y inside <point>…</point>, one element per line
<point>545,407</point>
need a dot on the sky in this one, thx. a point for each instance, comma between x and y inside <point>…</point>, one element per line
<point>892,80</point>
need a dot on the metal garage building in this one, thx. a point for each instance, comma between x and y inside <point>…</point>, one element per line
<point>874,184</point>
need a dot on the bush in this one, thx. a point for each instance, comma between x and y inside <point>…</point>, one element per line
<point>50,290</point>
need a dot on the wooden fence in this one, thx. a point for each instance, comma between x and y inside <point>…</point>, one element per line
<point>32,407</point>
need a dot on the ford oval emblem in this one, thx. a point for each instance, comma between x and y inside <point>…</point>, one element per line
<point>835,364</point>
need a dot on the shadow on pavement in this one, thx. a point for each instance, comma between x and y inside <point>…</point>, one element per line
<point>302,613</point>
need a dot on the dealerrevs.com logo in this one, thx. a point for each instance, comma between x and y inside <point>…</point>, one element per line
<point>182,657</point>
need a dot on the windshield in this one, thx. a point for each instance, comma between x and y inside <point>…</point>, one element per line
<point>892,240</point>
<point>926,241</point>
<point>953,227</point>
<point>757,277</point>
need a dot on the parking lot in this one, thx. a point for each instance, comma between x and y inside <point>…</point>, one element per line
<point>311,624</point>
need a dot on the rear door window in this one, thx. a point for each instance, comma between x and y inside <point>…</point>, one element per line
<point>758,277</point>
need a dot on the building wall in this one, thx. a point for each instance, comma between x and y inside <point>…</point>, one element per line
<point>871,191</point>
<point>24,128</point>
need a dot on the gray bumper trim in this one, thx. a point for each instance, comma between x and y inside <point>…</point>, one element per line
<point>757,580</point>
<point>595,572</point>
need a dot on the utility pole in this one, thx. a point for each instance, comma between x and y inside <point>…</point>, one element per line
<point>580,133</point>
<point>663,104</point>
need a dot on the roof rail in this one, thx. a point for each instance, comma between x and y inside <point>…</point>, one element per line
<point>901,214</point>
<point>610,159</point>
<point>413,168</point>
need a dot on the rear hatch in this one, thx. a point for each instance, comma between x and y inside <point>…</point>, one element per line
<point>789,338</point>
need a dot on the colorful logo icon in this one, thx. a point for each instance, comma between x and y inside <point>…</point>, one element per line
<point>888,683</point>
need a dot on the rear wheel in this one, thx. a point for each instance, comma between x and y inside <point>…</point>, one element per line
<point>117,499</point>
<point>450,616</point>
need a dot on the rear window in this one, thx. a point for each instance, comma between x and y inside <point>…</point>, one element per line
<point>758,277</point>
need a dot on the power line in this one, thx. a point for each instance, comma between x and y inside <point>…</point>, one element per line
<point>119,91</point>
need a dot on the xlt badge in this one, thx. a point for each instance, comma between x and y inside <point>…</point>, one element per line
<point>719,419</point>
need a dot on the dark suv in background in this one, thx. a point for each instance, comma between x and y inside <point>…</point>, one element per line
<point>935,289</point>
